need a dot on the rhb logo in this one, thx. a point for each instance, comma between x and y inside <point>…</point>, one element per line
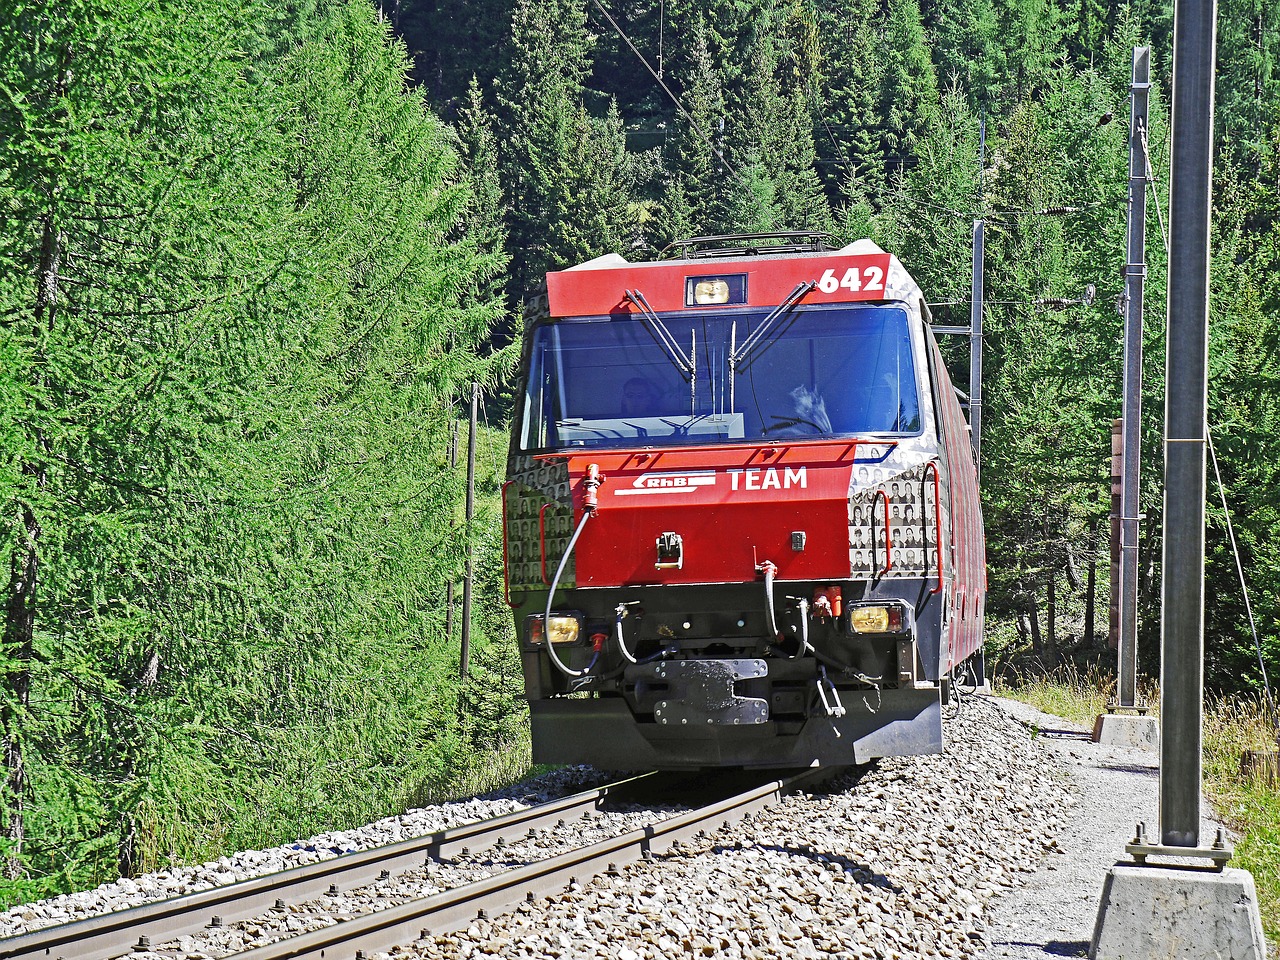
<point>683,482</point>
<point>766,478</point>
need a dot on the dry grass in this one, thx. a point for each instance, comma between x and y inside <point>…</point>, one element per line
<point>1068,692</point>
<point>1250,806</point>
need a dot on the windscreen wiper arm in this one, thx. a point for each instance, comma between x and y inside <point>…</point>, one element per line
<point>678,356</point>
<point>780,311</point>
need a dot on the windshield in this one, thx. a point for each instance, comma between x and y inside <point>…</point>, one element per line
<point>723,377</point>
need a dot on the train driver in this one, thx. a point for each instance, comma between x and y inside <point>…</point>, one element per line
<point>640,398</point>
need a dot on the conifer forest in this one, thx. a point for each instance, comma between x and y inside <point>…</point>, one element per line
<point>253,255</point>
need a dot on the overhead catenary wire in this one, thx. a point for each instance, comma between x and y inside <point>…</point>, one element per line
<point>667,90</point>
<point>1155,194</point>
<point>1244,589</point>
<point>998,215</point>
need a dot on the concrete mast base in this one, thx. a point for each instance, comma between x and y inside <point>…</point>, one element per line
<point>1128,730</point>
<point>1154,913</point>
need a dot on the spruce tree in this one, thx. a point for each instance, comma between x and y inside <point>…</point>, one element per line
<point>567,173</point>
<point>484,221</point>
<point>1248,87</point>
<point>850,152</point>
<point>967,50</point>
<point>772,144</point>
<point>700,183</point>
<point>909,86</point>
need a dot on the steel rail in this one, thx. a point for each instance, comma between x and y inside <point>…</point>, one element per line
<point>456,908</point>
<point>113,934</point>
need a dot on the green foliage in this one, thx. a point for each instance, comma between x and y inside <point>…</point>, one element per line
<point>237,308</point>
<point>244,273</point>
<point>568,175</point>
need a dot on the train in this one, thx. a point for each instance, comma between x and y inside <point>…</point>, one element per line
<point>740,523</point>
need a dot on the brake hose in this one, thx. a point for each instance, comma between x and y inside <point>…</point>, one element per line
<point>769,569</point>
<point>805,646</point>
<point>621,611</point>
<point>803,604</point>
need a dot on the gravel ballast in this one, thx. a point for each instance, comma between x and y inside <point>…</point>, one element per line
<point>900,860</point>
<point>177,881</point>
<point>994,849</point>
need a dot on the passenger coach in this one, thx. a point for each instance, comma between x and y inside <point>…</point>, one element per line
<point>741,523</point>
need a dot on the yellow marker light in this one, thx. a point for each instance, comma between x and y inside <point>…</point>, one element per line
<point>563,629</point>
<point>711,291</point>
<point>869,619</point>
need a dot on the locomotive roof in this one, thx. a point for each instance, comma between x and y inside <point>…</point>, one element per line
<point>858,272</point>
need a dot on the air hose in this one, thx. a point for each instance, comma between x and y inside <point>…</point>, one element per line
<point>551,595</point>
<point>590,484</point>
<point>770,569</point>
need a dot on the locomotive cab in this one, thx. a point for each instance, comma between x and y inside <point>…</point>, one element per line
<point>741,522</point>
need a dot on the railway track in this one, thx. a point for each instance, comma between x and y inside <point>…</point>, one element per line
<point>153,926</point>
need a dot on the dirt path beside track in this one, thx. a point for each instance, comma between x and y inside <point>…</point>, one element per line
<point>1053,913</point>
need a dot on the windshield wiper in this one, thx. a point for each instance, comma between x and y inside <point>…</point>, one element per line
<point>663,335</point>
<point>780,311</point>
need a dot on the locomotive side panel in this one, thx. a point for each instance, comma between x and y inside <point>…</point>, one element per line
<point>969,584</point>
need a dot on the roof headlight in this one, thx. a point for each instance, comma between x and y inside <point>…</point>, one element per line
<point>715,291</point>
<point>711,291</point>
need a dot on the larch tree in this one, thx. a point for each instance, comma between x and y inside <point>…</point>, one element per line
<point>236,301</point>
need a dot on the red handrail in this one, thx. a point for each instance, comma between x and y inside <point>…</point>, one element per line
<point>506,569</point>
<point>937,508</point>
<point>542,542</point>
<point>888,542</point>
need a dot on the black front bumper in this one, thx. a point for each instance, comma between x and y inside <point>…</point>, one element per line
<point>602,731</point>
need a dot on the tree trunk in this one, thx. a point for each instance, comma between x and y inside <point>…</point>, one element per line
<point>1051,618</point>
<point>1073,569</point>
<point>1091,586</point>
<point>19,632</point>
<point>20,600</point>
<point>127,849</point>
<point>1032,615</point>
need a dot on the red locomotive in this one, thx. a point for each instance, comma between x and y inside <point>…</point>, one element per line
<point>741,525</point>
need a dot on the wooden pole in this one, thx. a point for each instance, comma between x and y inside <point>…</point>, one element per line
<point>469,576</point>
